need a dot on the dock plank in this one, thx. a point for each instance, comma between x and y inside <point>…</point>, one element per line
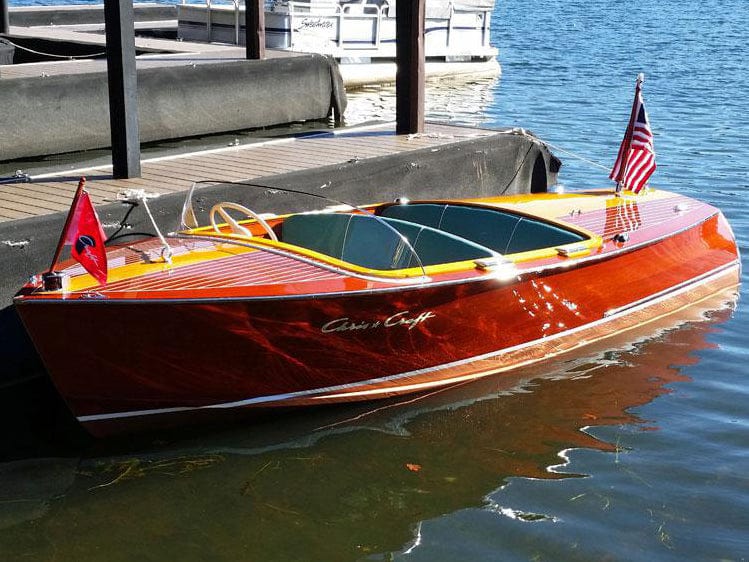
<point>25,207</point>
<point>43,192</point>
<point>214,165</point>
<point>10,214</point>
<point>38,200</point>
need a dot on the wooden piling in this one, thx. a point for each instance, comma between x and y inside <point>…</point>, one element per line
<point>123,87</point>
<point>409,78</point>
<point>255,29</point>
<point>4,20</point>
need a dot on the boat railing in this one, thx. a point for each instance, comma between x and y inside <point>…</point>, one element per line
<point>209,5</point>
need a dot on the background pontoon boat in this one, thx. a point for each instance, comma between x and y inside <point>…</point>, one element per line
<point>359,34</point>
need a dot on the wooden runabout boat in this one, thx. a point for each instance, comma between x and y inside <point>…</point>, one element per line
<point>351,304</point>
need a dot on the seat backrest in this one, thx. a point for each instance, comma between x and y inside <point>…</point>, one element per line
<point>501,231</point>
<point>428,214</point>
<point>533,235</point>
<point>487,227</point>
<point>324,232</point>
<point>371,244</point>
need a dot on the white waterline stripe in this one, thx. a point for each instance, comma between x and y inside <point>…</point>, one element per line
<point>715,274</point>
<point>638,303</point>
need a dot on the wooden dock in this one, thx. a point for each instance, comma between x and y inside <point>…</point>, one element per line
<point>52,193</point>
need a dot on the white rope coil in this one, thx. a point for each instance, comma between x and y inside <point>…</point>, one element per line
<point>142,197</point>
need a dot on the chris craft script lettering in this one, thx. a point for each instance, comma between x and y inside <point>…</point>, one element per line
<point>405,319</point>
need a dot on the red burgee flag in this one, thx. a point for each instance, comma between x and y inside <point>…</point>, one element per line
<point>635,162</point>
<point>86,236</point>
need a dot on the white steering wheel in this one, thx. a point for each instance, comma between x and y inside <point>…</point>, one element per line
<point>237,228</point>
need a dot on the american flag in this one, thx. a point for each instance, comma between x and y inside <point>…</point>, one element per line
<point>635,162</point>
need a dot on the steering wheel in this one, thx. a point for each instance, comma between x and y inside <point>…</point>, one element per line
<point>237,228</point>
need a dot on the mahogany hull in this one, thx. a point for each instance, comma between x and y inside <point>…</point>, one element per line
<point>142,363</point>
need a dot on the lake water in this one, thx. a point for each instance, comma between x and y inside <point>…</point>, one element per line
<point>632,451</point>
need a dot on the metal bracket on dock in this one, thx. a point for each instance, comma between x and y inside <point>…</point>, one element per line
<point>19,177</point>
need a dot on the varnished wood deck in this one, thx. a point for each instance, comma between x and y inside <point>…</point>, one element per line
<point>52,193</point>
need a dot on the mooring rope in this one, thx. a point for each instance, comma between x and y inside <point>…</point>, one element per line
<point>19,177</point>
<point>574,155</point>
<point>68,57</point>
<point>140,196</point>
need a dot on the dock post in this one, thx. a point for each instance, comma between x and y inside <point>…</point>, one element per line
<point>409,77</point>
<point>254,29</point>
<point>4,20</point>
<point>123,88</point>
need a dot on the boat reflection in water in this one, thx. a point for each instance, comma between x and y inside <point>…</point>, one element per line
<point>349,482</point>
<point>459,100</point>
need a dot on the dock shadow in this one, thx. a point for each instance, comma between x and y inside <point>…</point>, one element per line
<point>34,420</point>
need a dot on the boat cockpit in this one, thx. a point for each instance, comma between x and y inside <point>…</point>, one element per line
<point>398,239</point>
<point>401,236</point>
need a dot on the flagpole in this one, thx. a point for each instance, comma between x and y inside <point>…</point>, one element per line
<point>628,134</point>
<point>64,233</point>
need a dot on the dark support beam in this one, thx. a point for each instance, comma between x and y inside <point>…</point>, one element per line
<point>123,88</point>
<point>409,78</point>
<point>255,29</point>
<point>4,21</point>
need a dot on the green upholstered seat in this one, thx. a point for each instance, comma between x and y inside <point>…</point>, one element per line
<point>499,230</point>
<point>435,246</point>
<point>533,235</point>
<point>323,233</point>
<point>488,227</point>
<point>428,214</point>
<point>377,243</point>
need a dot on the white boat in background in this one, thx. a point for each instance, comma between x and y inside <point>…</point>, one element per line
<point>360,34</point>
